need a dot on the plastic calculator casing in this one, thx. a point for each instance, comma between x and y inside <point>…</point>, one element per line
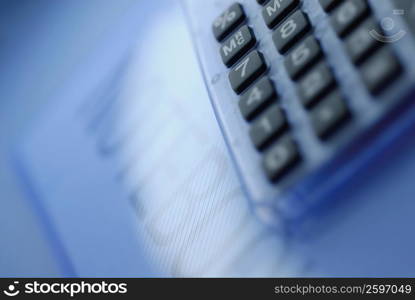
<point>326,166</point>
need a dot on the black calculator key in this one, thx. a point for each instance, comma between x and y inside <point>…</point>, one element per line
<point>360,42</point>
<point>268,126</point>
<point>348,14</point>
<point>228,21</point>
<point>329,4</point>
<point>276,10</point>
<point>280,158</point>
<point>246,71</point>
<point>328,115</point>
<point>406,6</point>
<point>237,45</point>
<point>259,96</point>
<point>293,28</point>
<point>315,84</point>
<point>380,70</point>
<point>302,56</point>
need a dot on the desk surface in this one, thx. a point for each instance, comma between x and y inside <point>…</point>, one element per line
<point>169,196</point>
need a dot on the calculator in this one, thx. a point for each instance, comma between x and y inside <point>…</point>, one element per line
<point>306,93</point>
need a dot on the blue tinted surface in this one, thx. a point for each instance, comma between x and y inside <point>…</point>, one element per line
<point>42,43</point>
<point>325,164</point>
<point>130,171</point>
<point>370,230</point>
<point>363,222</point>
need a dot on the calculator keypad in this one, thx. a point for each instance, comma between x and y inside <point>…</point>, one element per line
<point>258,97</point>
<point>302,56</point>
<point>328,115</point>
<point>276,10</point>
<point>237,45</point>
<point>267,126</point>
<point>360,43</point>
<point>347,15</point>
<point>246,71</point>
<point>315,83</point>
<point>379,70</point>
<point>293,28</point>
<point>304,61</point>
<point>280,158</point>
<point>328,5</point>
<point>228,21</point>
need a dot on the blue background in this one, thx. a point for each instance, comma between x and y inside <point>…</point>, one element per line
<point>56,55</point>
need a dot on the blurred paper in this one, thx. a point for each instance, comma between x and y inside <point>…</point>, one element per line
<point>134,175</point>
